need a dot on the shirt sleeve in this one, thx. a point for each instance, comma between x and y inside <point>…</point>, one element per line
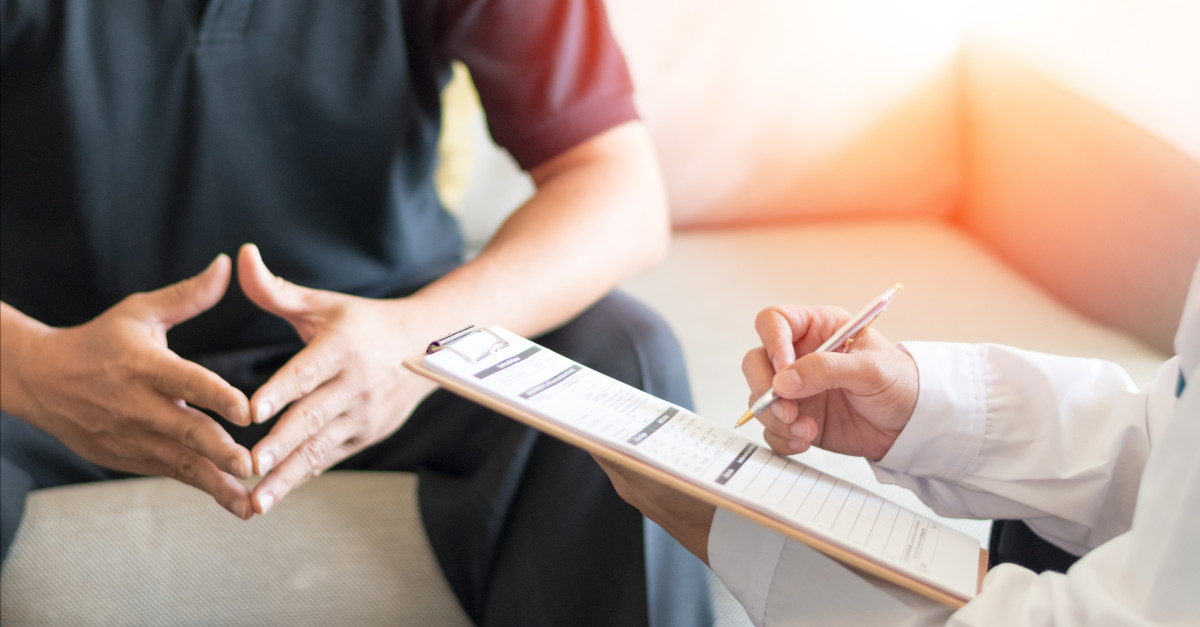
<point>1058,442</point>
<point>550,74</point>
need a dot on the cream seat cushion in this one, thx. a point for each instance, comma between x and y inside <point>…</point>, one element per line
<point>157,552</point>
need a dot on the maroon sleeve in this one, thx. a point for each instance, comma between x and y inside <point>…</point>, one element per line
<point>549,72</point>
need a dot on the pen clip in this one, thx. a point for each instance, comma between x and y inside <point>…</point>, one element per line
<point>850,340</point>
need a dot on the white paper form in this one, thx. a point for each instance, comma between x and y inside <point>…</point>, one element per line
<point>715,458</point>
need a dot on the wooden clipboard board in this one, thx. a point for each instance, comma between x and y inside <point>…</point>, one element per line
<point>604,450</point>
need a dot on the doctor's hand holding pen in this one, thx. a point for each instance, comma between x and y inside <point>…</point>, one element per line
<point>822,377</point>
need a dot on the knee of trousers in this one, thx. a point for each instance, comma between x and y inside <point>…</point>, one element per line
<point>624,339</point>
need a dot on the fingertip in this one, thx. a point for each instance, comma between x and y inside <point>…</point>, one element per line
<point>788,382</point>
<point>264,461</point>
<point>245,464</point>
<point>245,509</point>
<point>239,505</point>
<point>239,412</point>
<point>220,260</point>
<point>263,410</point>
<point>780,410</point>
<point>263,502</point>
<point>215,276</point>
<point>249,259</point>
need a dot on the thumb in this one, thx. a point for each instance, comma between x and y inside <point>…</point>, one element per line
<point>191,297</point>
<point>271,293</point>
<point>815,373</point>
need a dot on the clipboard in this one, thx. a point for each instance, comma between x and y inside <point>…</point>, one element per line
<point>477,353</point>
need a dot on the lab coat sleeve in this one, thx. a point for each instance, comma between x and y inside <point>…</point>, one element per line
<point>1058,442</point>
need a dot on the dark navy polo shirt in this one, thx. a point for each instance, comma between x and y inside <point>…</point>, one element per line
<point>140,138</point>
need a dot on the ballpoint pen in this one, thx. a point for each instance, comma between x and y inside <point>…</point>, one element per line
<point>839,342</point>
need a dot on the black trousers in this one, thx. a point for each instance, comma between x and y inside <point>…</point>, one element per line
<point>527,530</point>
<point>1013,542</point>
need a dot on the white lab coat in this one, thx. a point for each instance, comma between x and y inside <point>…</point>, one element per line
<point>1071,446</point>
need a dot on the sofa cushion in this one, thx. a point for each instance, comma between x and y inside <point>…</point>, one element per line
<point>345,549</point>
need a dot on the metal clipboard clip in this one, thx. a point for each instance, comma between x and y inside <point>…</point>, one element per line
<point>472,344</point>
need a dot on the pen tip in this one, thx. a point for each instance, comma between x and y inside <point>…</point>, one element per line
<point>745,418</point>
<point>898,287</point>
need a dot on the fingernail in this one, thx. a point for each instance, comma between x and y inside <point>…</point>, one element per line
<point>787,381</point>
<point>262,411</point>
<point>266,462</point>
<point>247,510</point>
<point>781,413</point>
<point>265,501</point>
<point>801,431</point>
<point>796,445</point>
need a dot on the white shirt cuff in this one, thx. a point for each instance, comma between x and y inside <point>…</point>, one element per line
<point>946,431</point>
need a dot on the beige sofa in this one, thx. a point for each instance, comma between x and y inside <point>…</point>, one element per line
<point>1029,171</point>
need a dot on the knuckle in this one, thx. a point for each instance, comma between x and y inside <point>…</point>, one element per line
<point>304,378</point>
<point>186,466</point>
<point>771,321</point>
<point>137,301</point>
<point>752,357</point>
<point>105,423</point>
<point>181,290</point>
<point>190,387</point>
<point>765,316</point>
<point>128,370</point>
<point>190,436</point>
<point>311,417</point>
<point>873,372</point>
<point>817,367</point>
<point>314,453</point>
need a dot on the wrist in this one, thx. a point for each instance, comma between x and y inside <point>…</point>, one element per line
<point>19,336</point>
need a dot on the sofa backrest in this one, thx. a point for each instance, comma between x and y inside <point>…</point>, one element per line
<point>1082,151</point>
<point>798,109</point>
